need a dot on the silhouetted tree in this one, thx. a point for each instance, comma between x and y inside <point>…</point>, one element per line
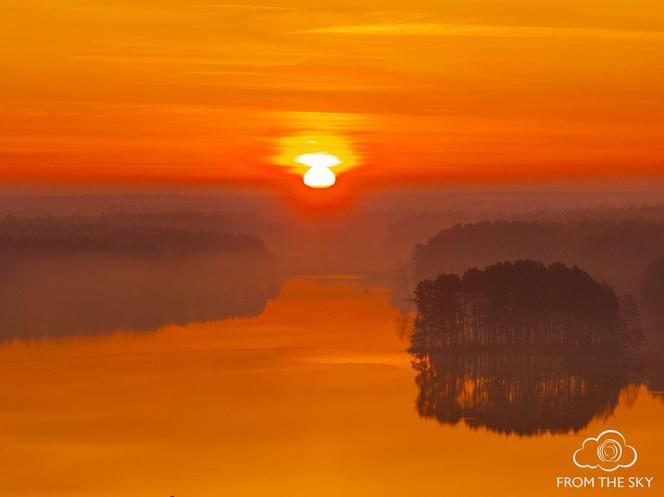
<point>633,332</point>
<point>522,303</point>
<point>651,285</point>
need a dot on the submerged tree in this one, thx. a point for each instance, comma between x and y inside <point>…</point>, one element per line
<point>522,303</point>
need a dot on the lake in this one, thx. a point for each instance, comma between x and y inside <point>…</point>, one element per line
<point>316,395</point>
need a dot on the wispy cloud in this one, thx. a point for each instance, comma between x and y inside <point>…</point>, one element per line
<point>242,6</point>
<point>488,30</point>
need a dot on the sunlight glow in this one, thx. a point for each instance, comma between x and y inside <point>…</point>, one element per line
<point>318,146</point>
<point>318,160</point>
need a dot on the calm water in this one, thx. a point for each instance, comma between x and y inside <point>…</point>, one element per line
<point>314,396</point>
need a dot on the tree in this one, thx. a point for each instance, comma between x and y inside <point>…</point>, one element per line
<point>522,303</point>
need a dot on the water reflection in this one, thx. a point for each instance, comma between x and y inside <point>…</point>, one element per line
<point>522,348</point>
<point>90,295</point>
<point>522,393</point>
<point>653,367</point>
<point>309,387</point>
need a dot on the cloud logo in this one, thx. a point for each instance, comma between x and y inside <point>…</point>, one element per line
<point>608,451</point>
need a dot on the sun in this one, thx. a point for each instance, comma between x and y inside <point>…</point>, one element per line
<point>319,174</point>
<point>319,177</point>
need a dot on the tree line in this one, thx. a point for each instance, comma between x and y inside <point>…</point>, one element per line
<point>615,251</point>
<point>48,236</point>
<point>522,303</point>
<point>86,276</point>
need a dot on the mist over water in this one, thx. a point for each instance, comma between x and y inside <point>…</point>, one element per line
<point>239,333</point>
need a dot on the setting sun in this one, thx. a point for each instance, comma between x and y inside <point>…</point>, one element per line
<point>319,174</point>
<point>319,177</point>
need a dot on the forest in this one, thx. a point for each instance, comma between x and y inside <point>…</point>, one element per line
<point>614,251</point>
<point>88,276</point>
<point>104,235</point>
<point>522,303</point>
<point>651,287</point>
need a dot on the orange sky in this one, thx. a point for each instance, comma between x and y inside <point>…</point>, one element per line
<point>419,91</point>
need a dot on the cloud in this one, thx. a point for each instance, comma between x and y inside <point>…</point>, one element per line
<point>608,451</point>
<point>488,30</point>
<point>242,6</point>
